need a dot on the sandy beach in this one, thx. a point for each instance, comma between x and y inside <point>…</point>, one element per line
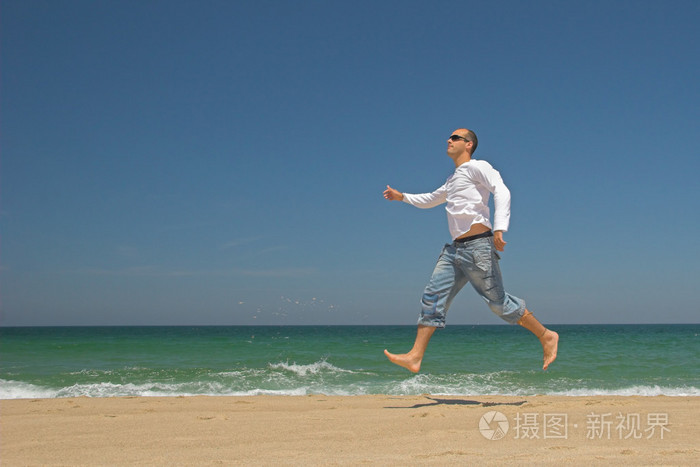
<point>332,430</point>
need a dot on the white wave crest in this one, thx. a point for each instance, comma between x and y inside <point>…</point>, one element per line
<point>322,366</point>
<point>18,390</point>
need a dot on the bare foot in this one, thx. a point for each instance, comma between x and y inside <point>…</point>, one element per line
<point>404,360</point>
<point>550,343</point>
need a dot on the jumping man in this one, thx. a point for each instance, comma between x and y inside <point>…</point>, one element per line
<point>472,257</point>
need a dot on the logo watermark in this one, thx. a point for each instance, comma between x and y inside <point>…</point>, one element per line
<point>495,425</point>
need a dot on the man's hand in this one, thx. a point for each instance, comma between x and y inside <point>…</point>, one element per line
<point>392,195</point>
<point>498,241</point>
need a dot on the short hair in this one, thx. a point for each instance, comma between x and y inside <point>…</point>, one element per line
<point>471,136</point>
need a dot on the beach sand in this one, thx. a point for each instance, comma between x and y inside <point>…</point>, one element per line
<point>334,430</point>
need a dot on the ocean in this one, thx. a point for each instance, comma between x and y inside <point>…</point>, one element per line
<point>59,362</point>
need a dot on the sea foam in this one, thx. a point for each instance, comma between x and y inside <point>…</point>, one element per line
<point>418,384</point>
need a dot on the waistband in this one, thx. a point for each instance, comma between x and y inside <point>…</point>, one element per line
<point>474,237</point>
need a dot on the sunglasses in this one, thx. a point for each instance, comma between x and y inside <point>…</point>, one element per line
<point>457,138</point>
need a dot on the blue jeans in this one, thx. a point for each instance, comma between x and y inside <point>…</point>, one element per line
<point>475,261</point>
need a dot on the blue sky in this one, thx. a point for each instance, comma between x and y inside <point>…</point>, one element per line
<point>222,162</point>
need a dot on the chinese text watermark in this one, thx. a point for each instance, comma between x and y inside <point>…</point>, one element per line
<point>494,425</point>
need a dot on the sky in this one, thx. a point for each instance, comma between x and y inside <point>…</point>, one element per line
<point>172,162</point>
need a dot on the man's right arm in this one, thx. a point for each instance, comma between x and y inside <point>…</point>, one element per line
<point>423,200</point>
<point>392,195</point>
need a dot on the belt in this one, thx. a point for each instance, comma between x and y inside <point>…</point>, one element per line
<point>474,237</point>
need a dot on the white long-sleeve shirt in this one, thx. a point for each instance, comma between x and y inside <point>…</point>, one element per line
<point>466,193</point>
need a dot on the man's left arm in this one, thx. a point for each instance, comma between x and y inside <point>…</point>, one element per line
<point>491,178</point>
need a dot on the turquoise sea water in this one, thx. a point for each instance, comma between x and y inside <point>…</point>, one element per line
<point>344,360</point>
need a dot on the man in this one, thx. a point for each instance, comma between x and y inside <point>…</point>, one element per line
<point>472,257</point>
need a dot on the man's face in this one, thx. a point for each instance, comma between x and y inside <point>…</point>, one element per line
<point>456,143</point>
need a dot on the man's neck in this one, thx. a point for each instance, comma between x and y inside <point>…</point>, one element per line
<point>462,159</point>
